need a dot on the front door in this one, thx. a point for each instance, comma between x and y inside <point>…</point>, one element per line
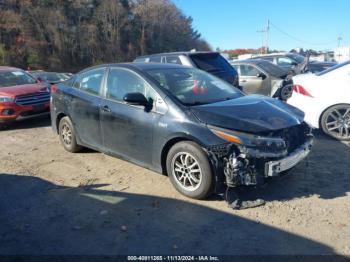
<point>251,79</point>
<point>128,129</point>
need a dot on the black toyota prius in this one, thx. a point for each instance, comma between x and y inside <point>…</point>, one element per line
<point>180,121</point>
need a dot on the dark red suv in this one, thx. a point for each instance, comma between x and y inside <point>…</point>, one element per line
<point>21,95</point>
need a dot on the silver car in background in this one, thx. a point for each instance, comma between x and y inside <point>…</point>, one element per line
<point>257,76</point>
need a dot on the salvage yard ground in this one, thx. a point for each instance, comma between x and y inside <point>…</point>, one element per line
<point>54,202</point>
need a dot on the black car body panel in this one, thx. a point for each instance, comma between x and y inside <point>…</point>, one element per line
<point>144,135</point>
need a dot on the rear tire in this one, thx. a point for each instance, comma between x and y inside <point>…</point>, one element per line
<point>68,136</point>
<point>189,170</point>
<point>335,122</point>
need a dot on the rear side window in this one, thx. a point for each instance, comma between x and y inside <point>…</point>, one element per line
<point>248,70</point>
<point>172,59</point>
<point>141,60</point>
<point>267,58</point>
<point>155,59</point>
<point>211,62</point>
<point>122,81</point>
<point>284,61</point>
<point>90,81</point>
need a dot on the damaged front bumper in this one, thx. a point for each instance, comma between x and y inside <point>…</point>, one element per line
<point>238,165</point>
<point>273,168</point>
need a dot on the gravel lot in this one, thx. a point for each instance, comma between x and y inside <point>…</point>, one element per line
<point>54,202</point>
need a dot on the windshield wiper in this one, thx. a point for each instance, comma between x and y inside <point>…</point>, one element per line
<point>216,70</point>
<point>197,103</point>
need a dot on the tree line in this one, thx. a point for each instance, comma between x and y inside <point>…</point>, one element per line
<point>68,35</point>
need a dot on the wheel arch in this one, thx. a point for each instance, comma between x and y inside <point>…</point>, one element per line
<point>58,119</point>
<point>170,143</point>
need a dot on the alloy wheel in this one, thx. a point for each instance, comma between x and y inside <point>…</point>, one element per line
<point>66,134</point>
<point>186,171</point>
<point>337,122</point>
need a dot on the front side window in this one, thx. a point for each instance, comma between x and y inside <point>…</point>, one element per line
<point>192,86</point>
<point>15,78</point>
<point>123,81</point>
<point>248,70</point>
<point>90,81</point>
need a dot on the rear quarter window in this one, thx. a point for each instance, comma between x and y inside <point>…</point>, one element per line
<point>173,60</point>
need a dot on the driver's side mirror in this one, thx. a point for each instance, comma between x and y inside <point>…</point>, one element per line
<point>136,99</point>
<point>262,75</point>
<point>40,79</point>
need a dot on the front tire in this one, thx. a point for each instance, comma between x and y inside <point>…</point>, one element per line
<point>68,136</point>
<point>189,170</point>
<point>335,122</point>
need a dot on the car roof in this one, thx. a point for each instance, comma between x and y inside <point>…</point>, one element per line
<point>139,66</point>
<point>273,54</point>
<point>249,61</point>
<point>179,53</point>
<point>9,68</point>
<point>256,61</point>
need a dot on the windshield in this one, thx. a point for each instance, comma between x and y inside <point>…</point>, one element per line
<point>333,68</point>
<point>271,69</point>
<point>298,58</point>
<point>52,77</point>
<point>211,62</point>
<point>15,78</point>
<point>192,86</point>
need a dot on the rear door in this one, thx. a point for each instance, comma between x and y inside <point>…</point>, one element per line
<point>128,129</point>
<point>85,106</point>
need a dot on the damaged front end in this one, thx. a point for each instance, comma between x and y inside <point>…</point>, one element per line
<point>249,159</point>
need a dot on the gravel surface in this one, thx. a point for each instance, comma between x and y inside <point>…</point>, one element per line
<point>55,202</point>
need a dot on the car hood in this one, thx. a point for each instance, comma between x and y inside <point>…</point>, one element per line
<point>252,114</point>
<point>14,91</point>
<point>322,63</point>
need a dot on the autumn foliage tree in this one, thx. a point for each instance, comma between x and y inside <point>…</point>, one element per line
<point>68,35</point>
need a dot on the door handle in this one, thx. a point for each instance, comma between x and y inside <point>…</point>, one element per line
<point>242,81</point>
<point>106,109</point>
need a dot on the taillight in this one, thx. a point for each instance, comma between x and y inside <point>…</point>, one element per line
<point>53,89</point>
<point>301,90</point>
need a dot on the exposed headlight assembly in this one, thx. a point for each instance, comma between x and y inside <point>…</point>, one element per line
<point>4,99</point>
<point>248,140</point>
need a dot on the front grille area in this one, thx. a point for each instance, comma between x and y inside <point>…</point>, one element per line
<point>33,99</point>
<point>295,136</point>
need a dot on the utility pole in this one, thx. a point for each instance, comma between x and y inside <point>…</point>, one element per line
<point>265,38</point>
<point>339,40</point>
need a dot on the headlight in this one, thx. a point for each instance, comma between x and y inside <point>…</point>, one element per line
<point>4,99</point>
<point>248,140</point>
